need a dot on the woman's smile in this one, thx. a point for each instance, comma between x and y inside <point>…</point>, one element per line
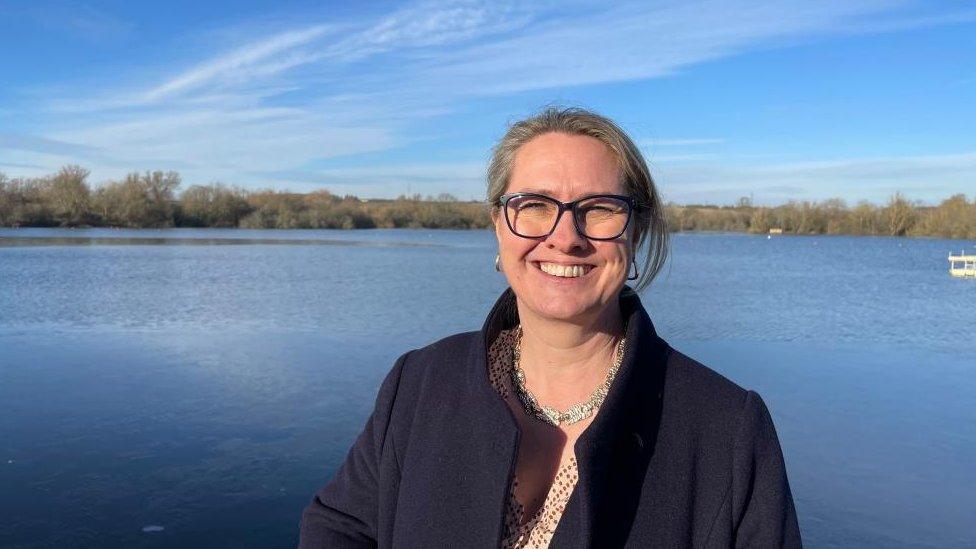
<point>563,271</point>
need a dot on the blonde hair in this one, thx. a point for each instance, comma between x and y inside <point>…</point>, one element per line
<point>648,216</point>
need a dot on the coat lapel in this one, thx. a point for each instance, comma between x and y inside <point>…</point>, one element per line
<point>492,436</point>
<point>613,452</point>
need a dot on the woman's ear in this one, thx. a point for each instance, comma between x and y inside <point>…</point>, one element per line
<point>495,215</point>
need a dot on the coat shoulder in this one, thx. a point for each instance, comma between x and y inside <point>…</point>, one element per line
<point>455,345</point>
<point>444,354</point>
<point>687,375</point>
<point>446,363</point>
<point>698,394</point>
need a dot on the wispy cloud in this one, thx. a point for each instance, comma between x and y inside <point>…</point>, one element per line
<point>901,21</point>
<point>76,19</point>
<point>259,59</point>
<point>923,177</point>
<point>463,179</point>
<point>430,24</point>
<point>30,168</point>
<point>641,40</point>
<point>43,145</point>
<point>260,112</point>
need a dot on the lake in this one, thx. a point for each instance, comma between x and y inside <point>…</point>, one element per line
<point>194,387</point>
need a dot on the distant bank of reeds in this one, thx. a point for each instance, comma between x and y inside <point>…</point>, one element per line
<point>150,199</point>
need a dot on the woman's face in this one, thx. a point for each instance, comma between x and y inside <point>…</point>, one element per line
<point>564,167</point>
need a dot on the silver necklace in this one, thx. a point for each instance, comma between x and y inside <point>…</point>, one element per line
<point>576,412</point>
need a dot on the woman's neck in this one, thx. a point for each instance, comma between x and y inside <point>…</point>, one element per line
<point>565,361</point>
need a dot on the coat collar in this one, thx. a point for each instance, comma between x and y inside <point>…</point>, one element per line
<point>613,452</point>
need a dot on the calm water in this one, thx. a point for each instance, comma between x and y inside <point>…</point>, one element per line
<point>194,387</point>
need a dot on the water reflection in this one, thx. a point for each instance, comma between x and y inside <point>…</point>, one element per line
<point>207,389</point>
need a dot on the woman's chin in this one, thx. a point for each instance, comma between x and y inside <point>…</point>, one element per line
<point>563,308</point>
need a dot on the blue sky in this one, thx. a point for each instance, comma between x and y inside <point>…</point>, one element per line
<point>774,100</point>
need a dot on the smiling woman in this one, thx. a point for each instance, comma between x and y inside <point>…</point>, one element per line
<point>565,421</point>
<point>538,245</point>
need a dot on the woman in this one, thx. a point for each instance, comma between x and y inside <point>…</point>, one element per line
<point>566,421</point>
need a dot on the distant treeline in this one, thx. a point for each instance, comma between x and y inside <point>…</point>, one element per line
<point>150,199</point>
<point>954,217</point>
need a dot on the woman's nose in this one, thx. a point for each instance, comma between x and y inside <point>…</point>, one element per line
<point>564,236</point>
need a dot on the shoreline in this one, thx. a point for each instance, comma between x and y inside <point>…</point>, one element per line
<point>202,240</point>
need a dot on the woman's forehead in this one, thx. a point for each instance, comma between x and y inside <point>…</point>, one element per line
<point>561,165</point>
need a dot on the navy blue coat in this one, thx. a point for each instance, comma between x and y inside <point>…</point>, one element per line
<point>678,456</point>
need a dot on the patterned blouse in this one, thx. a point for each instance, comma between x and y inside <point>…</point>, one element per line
<point>521,531</point>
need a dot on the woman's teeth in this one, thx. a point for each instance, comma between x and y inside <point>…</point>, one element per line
<point>568,271</point>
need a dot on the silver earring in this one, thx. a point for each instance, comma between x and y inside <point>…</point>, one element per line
<point>498,266</point>
<point>636,274</point>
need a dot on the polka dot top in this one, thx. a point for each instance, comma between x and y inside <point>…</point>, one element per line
<point>520,530</point>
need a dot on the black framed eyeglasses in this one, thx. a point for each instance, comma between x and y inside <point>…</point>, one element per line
<point>597,217</point>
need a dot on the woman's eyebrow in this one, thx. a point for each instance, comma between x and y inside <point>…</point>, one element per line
<point>534,191</point>
<point>553,196</point>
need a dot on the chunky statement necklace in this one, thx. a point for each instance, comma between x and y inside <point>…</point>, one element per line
<point>576,412</point>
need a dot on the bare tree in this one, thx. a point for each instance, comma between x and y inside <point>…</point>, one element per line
<point>67,195</point>
<point>898,214</point>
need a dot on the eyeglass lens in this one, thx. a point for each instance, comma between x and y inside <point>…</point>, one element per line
<point>597,217</point>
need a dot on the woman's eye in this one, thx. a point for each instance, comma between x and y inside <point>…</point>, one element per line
<point>531,205</point>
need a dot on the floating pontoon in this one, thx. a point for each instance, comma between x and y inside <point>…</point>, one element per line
<point>962,265</point>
